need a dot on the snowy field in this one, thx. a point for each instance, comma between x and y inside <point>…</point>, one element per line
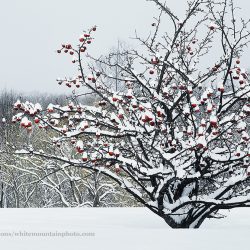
<point>117,228</point>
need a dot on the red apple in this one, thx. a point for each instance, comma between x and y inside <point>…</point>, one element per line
<point>36,120</point>
<point>151,71</point>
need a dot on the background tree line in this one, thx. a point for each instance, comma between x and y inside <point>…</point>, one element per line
<point>26,182</point>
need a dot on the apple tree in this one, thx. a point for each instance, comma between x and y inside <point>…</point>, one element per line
<point>176,136</point>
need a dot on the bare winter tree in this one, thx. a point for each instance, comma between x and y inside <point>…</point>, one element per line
<point>177,137</point>
<point>45,183</point>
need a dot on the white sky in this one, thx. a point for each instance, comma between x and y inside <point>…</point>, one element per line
<point>31,31</point>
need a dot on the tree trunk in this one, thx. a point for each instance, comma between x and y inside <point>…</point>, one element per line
<point>189,222</point>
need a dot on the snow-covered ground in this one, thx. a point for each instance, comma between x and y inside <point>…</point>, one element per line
<point>118,228</point>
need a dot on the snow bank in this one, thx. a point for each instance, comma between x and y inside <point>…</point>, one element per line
<point>119,228</point>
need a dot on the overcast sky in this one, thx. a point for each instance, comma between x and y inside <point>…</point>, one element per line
<point>31,31</point>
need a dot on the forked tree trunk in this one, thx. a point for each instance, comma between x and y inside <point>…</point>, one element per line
<point>188,222</point>
<point>182,224</point>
